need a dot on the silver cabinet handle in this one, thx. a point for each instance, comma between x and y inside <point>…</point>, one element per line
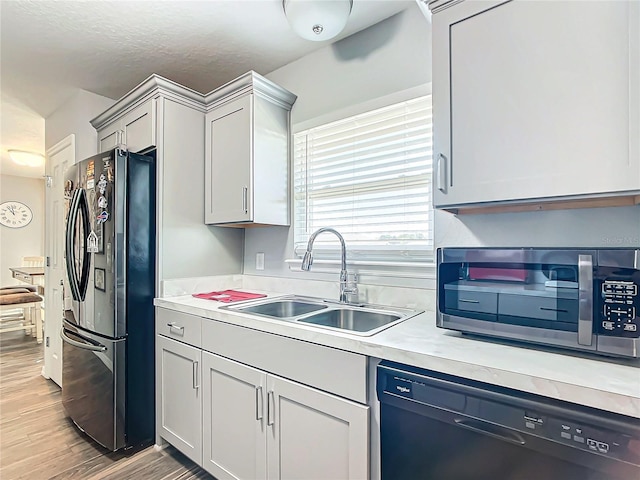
<point>271,407</point>
<point>441,174</point>
<point>259,405</point>
<point>585,299</point>
<point>245,199</point>
<point>196,383</point>
<point>174,328</point>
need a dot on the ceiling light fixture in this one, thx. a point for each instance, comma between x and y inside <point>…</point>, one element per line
<point>28,159</point>
<point>317,20</point>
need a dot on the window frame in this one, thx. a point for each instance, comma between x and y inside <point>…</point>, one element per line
<point>413,261</point>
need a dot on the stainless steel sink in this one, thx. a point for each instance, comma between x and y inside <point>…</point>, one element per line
<point>351,319</point>
<point>285,308</point>
<point>363,320</point>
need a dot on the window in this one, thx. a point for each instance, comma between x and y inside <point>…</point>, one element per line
<point>369,177</point>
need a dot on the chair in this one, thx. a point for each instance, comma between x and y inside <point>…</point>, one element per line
<point>33,261</point>
<point>36,261</point>
<point>21,310</point>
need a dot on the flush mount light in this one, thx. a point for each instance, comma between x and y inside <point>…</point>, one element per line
<point>317,20</point>
<point>28,159</point>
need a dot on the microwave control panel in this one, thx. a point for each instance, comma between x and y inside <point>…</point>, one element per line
<point>620,308</point>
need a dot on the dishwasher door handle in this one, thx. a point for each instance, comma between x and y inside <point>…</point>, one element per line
<point>491,430</point>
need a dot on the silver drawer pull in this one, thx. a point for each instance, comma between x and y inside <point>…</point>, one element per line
<point>173,328</point>
<point>464,300</point>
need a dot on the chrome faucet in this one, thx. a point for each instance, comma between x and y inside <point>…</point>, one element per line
<point>345,289</point>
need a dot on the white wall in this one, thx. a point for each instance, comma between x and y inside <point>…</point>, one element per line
<point>391,56</point>
<point>74,117</point>
<point>27,241</point>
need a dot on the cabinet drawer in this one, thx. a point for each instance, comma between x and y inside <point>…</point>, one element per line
<point>179,326</point>
<point>542,308</point>
<point>470,301</point>
<point>329,369</point>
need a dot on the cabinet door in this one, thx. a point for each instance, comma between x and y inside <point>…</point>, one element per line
<point>109,136</point>
<point>139,127</point>
<point>228,162</point>
<point>178,396</point>
<point>535,100</point>
<point>234,419</point>
<point>315,435</point>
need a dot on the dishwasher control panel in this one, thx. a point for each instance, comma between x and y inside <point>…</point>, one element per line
<point>596,440</point>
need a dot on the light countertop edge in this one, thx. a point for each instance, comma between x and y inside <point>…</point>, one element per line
<point>606,384</point>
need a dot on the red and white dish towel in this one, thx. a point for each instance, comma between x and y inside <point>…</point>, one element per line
<point>228,296</point>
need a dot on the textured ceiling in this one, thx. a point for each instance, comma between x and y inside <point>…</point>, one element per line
<point>51,48</point>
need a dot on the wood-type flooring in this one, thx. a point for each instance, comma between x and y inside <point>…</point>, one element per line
<point>37,440</point>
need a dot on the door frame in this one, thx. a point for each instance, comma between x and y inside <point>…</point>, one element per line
<point>53,323</point>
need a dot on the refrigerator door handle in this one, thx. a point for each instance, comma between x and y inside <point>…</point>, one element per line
<point>91,345</point>
<point>70,257</point>
<point>83,204</point>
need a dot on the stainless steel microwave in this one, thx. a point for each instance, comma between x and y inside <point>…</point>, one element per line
<point>581,299</point>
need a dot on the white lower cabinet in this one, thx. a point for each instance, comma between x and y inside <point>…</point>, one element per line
<point>220,402</point>
<point>179,402</point>
<point>234,421</point>
<point>314,435</point>
<point>258,425</point>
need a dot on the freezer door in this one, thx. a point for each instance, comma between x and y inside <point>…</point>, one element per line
<point>93,385</point>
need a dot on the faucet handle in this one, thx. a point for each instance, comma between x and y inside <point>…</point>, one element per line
<point>351,287</point>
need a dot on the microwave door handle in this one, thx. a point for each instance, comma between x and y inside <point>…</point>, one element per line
<point>585,299</point>
<point>86,255</point>
<point>70,247</point>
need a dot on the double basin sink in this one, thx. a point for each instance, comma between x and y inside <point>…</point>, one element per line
<point>356,319</point>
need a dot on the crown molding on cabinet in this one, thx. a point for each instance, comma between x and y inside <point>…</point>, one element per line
<point>250,82</point>
<point>139,94</point>
<point>437,5</point>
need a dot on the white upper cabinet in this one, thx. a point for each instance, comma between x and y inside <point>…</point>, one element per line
<point>535,100</point>
<point>229,149</point>
<point>136,129</point>
<point>139,127</point>
<point>247,153</point>
<point>109,136</point>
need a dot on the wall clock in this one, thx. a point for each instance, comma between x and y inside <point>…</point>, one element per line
<point>15,214</point>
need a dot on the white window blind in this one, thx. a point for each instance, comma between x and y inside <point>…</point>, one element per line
<point>369,177</point>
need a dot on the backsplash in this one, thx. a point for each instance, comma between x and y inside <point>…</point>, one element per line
<point>413,298</point>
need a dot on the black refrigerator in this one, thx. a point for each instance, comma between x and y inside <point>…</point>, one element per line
<point>108,325</point>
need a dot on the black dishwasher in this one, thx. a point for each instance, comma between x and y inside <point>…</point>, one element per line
<point>440,427</point>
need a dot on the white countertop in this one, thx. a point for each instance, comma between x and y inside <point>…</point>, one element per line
<point>607,384</point>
